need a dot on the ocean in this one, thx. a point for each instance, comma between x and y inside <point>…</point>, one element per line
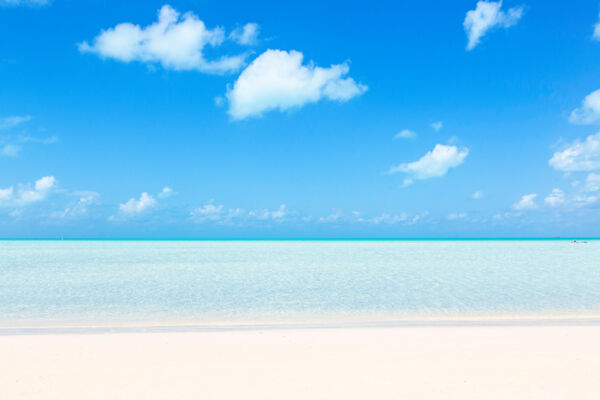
<point>114,282</point>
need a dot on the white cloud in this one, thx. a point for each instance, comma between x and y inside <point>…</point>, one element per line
<point>592,182</point>
<point>478,194</point>
<point>10,150</point>
<point>176,42</point>
<point>80,207</point>
<point>335,215</point>
<point>454,216</point>
<point>165,192</point>
<point>277,80</point>
<point>11,146</point>
<point>25,194</point>
<point>435,163</point>
<point>584,200</point>
<point>270,214</point>
<point>11,122</point>
<point>556,198</point>
<point>134,207</point>
<point>437,125</point>
<point>389,219</point>
<point>219,214</point>
<point>579,156</point>
<point>405,134</point>
<point>6,194</point>
<point>487,15</point>
<point>15,3</point>
<point>208,212</point>
<point>589,112</point>
<point>527,202</point>
<point>596,34</point>
<point>246,35</point>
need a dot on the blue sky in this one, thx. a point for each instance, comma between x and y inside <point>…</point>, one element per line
<point>206,119</point>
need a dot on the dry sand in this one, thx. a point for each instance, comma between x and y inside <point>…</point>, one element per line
<point>469,362</point>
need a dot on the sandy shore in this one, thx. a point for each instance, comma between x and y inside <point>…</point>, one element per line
<point>469,362</point>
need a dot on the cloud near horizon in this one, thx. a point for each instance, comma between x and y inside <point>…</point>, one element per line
<point>174,41</point>
<point>485,16</point>
<point>277,80</point>
<point>435,163</point>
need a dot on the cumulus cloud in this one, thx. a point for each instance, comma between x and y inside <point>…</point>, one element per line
<point>589,112</point>
<point>11,122</point>
<point>135,207</point>
<point>174,41</point>
<point>485,16</point>
<point>478,195</point>
<point>405,134</point>
<point>556,198</point>
<point>25,194</point>
<point>436,126</point>
<point>246,35</point>
<point>434,164</point>
<point>578,156</point>
<point>278,80</point>
<point>527,202</point>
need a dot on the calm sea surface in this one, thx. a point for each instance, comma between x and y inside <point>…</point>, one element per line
<point>205,281</point>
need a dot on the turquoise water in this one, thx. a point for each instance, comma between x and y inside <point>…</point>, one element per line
<point>207,281</point>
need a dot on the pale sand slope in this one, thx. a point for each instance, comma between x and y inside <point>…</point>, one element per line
<point>539,362</point>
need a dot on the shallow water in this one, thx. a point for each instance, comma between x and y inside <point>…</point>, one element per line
<point>205,281</point>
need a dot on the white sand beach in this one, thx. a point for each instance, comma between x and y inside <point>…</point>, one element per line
<point>460,362</point>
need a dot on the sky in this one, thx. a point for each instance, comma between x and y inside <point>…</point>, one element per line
<point>270,119</point>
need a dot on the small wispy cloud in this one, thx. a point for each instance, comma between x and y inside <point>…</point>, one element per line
<point>246,35</point>
<point>436,126</point>
<point>527,202</point>
<point>11,122</point>
<point>589,111</point>
<point>435,163</point>
<point>11,146</point>
<point>596,34</point>
<point>165,192</point>
<point>478,194</point>
<point>17,3</point>
<point>405,134</point>
<point>488,15</point>
<point>455,216</point>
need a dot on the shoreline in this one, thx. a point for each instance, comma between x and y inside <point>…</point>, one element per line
<point>223,326</point>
